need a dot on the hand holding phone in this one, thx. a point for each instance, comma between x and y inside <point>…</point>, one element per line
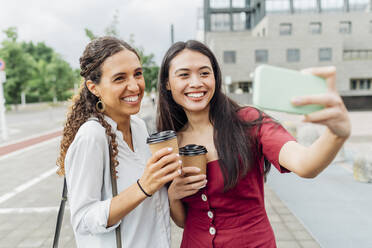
<point>312,93</point>
<point>274,88</point>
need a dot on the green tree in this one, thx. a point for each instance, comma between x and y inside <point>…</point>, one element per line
<point>19,66</point>
<point>89,33</point>
<point>64,78</point>
<point>11,33</point>
<point>38,87</point>
<point>40,51</point>
<point>112,29</point>
<point>52,81</point>
<point>150,69</point>
<point>35,69</point>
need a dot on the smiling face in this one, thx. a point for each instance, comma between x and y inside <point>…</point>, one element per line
<point>191,80</point>
<point>121,87</point>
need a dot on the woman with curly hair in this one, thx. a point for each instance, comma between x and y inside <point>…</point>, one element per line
<point>102,114</point>
<point>228,210</point>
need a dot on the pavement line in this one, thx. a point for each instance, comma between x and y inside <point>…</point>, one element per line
<point>29,142</point>
<point>30,137</point>
<point>29,210</point>
<point>26,185</point>
<point>17,152</point>
<point>347,168</point>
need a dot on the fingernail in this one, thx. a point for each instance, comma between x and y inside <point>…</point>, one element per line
<point>170,149</point>
<point>180,161</point>
<point>198,169</point>
<point>202,186</point>
<point>179,171</point>
<point>296,100</point>
<point>177,155</point>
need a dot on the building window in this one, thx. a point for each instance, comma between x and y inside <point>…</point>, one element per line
<point>229,57</point>
<point>220,22</point>
<point>245,86</point>
<point>277,6</point>
<point>353,84</point>
<point>325,54</point>
<point>293,55</point>
<point>262,56</point>
<point>332,5</point>
<point>345,27</point>
<point>239,21</point>
<point>358,5</point>
<point>360,84</point>
<point>315,27</point>
<point>363,84</point>
<point>285,29</point>
<point>238,4</point>
<point>304,6</point>
<point>217,4</point>
<point>357,54</point>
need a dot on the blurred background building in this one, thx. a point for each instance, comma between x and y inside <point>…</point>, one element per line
<point>294,34</point>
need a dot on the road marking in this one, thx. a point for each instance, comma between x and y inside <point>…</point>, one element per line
<point>29,137</point>
<point>17,152</point>
<point>29,210</point>
<point>26,185</point>
<point>346,166</point>
<point>17,146</point>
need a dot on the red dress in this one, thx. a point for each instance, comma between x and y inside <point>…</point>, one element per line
<point>236,218</point>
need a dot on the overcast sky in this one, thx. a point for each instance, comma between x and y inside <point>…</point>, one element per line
<point>60,24</point>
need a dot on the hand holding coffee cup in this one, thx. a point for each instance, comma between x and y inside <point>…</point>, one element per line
<point>183,186</point>
<point>194,155</point>
<point>159,140</point>
<point>194,168</point>
<point>161,168</point>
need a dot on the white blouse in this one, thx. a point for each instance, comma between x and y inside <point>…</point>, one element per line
<point>88,179</point>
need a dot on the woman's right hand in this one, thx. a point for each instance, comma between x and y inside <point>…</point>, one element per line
<point>183,186</point>
<point>161,168</point>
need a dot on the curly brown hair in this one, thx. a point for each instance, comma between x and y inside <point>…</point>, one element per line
<point>84,103</point>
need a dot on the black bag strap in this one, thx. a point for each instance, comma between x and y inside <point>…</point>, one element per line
<point>61,211</point>
<point>114,186</point>
<point>64,199</point>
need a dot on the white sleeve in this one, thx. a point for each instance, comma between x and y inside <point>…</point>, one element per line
<point>84,175</point>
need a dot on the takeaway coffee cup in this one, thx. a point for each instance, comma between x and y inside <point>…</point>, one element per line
<point>194,155</point>
<point>163,139</point>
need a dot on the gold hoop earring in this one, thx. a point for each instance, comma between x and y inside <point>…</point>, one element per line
<point>100,106</point>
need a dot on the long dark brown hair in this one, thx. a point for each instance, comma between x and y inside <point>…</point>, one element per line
<point>232,135</point>
<point>84,103</point>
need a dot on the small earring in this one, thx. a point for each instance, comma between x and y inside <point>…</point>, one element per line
<point>100,106</point>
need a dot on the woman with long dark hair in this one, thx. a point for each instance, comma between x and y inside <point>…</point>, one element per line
<point>102,114</point>
<point>226,207</point>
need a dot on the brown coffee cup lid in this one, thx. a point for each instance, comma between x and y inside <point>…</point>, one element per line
<point>192,150</point>
<point>161,136</point>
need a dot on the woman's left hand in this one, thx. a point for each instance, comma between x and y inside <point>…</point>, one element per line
<point>334,115</point>
<point>183,186</point>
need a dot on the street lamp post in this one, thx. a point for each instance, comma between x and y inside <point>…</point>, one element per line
<point>4,131</point>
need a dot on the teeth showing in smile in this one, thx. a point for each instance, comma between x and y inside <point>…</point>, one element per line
<point>195,95</point>
<point>131,98</point>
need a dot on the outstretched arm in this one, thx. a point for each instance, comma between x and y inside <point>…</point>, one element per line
<point>310,161</point>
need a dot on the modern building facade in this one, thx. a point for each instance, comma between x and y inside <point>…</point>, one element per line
<point>294,34</point>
